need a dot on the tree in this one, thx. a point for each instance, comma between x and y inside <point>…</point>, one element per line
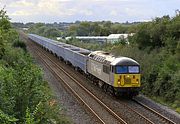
<point>72,30</point>
<point>83,29</point>
<point>95,29</point>
<point>4,27</point>
<point>51,32</point>
<point>4,21</point>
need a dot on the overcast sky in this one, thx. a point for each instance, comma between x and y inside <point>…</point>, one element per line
<point>89,10</point>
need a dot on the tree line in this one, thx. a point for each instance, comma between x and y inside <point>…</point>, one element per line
<point>84,28</point>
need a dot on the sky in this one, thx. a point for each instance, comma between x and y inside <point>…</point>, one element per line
<point>49,11</point>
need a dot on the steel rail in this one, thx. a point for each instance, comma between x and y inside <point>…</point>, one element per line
<point>167,120</point>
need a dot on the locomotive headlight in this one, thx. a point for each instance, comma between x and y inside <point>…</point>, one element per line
<point>119,82</point>
<point>137,81</point>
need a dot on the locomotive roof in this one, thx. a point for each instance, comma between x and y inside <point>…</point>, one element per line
<point>124,61</point>
<point>108,58</point>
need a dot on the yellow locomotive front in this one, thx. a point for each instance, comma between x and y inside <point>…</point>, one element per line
<point>126,76</point>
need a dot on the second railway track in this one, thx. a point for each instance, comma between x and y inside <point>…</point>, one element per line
<point>162,117</point>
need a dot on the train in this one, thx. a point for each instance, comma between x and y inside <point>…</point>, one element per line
<point>115,75</point>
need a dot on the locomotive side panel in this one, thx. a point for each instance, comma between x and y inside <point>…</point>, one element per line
<point>96,68</point>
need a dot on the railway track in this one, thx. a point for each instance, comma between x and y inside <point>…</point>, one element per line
<point>162,117</point>
<point>104,114</point>
<point>113,117</point>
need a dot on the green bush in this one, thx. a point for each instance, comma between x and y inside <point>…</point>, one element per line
<point>20,44</point>
<point>6,119</point>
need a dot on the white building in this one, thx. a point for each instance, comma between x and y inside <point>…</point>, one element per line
<point>112,38</point>
<point>101,39</point>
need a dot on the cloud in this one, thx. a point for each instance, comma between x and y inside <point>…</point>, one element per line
<point>20,13</point>
<point>21,3</point>
<point>86,12</point>
<point>112,0</point>
<point>135,12</point>
<point>42,7</point>
<point>72,10</point>
<point>113,13</point>
<point>56,8</point>
<point>48,6</point>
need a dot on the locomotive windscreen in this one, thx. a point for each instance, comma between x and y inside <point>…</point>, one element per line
<point>127,69</point>
<point>121,69</point>
<point>133,69</point>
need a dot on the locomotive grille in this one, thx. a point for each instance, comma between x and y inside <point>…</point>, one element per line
<point>127,80</point>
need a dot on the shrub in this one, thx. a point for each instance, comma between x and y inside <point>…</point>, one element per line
<point>20,44</point>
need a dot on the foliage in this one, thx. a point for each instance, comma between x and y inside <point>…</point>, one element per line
<point>104,28</point>
<point>159,41</point>
<point>84,28</point>
<point>20,44</point>
<point>42,29</point>
<point>4,21</point>
<point>4,27</point>
<point>6,119</point>
<point>24,95</point>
